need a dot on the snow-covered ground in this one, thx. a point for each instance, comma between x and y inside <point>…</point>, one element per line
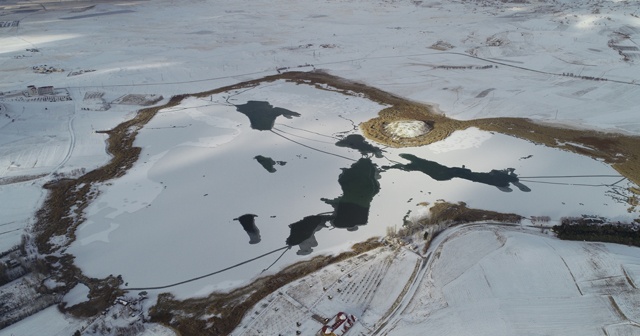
<point>46,322</point>
<point>506,282</point>
<point>51,322</point>
<point>41,142</point>
<point>479,279</point>
<point>471,59</point>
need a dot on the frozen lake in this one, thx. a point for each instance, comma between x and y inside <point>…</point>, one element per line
<point>211,191</point>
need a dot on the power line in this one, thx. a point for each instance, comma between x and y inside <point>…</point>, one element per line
<point>172,83</point>
<point>301,137</point>
<point>566,176</point>
<point>210,274</point>
<point>569,184</point>
<point>315,149</point>
<point>282,255</point>
<point>302,129</point>
<point>1,233</point>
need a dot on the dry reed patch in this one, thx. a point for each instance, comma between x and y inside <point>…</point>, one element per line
<point>441,128</point>
<point>459,213</point>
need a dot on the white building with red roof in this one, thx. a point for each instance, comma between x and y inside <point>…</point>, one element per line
<point>339,325</point>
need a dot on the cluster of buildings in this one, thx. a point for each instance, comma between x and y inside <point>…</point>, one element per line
<point>32,91</point>
<point>44,69</point>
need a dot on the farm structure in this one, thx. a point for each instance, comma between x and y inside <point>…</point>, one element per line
<point>45,90</point>
<point>94,101</point>
<point>308,305</point>
<point>32,90</point>
<point>7,24</point>
<point>138,99</point>
<point>37,94</point>
<point>339,325</point>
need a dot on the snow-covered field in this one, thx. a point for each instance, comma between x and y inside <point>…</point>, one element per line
<point>471,59</point>
<point>508,282</point>
<point>50,322</point>
<point>479,279</point>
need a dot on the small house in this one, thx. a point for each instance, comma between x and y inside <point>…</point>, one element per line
<point>122,302</point>
<point>339,325</point>
<point>11,263</point>
<point>32,90</point>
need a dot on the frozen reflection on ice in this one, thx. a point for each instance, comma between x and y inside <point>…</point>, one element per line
<point>497,178</point>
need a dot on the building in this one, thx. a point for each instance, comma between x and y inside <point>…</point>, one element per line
<point>32,90</point>
<point>45,90</point>
<point>339,325</point>
<point>122,302</point>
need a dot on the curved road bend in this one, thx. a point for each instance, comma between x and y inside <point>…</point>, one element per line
<point>388,323</point>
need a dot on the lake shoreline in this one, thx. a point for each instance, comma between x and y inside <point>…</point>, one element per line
<point>62,211</point>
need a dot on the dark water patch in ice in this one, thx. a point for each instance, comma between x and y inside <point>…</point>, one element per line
<point>359,185</point>
<point>249,225</point>
<point>262,115</point>
<point>269,163</point>
<point>357,142</point>
<point>497,178</point>
<point>302,232</point>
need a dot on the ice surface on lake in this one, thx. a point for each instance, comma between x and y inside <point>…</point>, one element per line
<point>171,218</point>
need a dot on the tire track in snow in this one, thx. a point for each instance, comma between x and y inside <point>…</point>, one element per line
<point>72,145</point>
